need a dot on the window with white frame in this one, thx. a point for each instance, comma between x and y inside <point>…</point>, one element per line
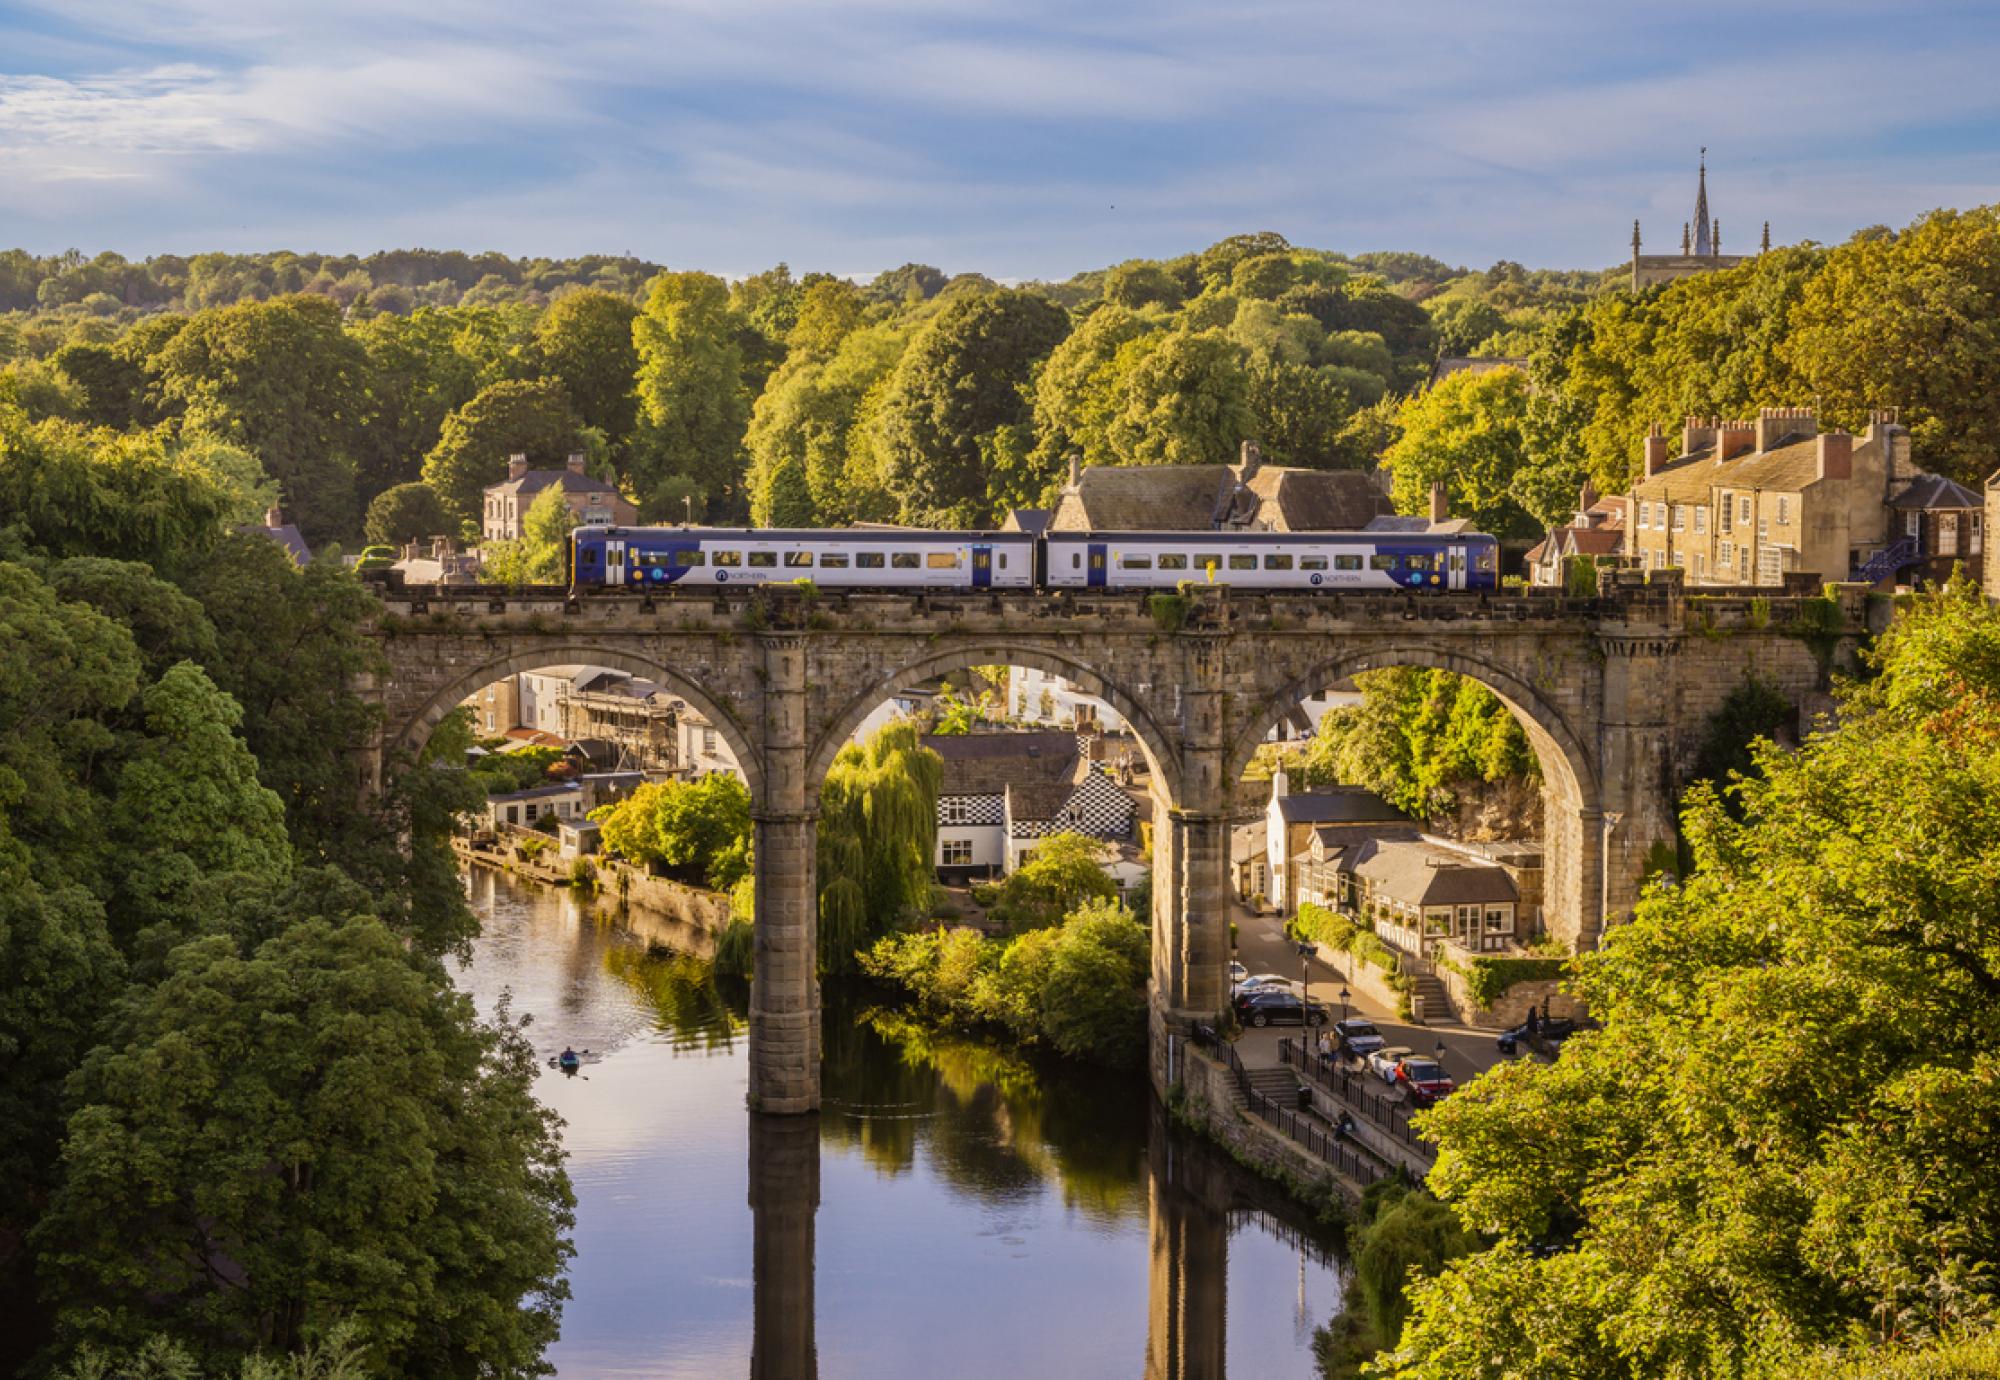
<point>955,852</point>
<point>1726,555</point>
<point>1645,514</point>
<point>1726,512</point>
<point>1680,517</point>
<point>1701,517</point>
<point>1743,509</point>
<point>1784,510</point>
<point>1913,524</point>
<point>1947,528</point>
<point>1975,534</point>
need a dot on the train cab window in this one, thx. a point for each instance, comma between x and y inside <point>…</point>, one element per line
<point>1243,562</point>
<point>1134,561</point>
<point>868,560</point>
<point>941,560</point>
<point>1347,562</point>
<point>903,560</point>
<point>685,559</point>
<point>764,559</point>
<point>833,560</point>
<point>1484,558</point>
<point>1312,563</point>
<point>1381,560</point>
<point>1279,561</point>
<point>1173,561</point>
<point>798,560</point>
<point>731,559</point>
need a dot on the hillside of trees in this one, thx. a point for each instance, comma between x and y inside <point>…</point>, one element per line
<point>922,398</point>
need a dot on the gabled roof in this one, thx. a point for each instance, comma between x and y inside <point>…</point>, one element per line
<point>1295,500</point>
<point>1792,465</point>
<point>1203,498</point>
<point>1338,805</point>
<point>286,535</point>
<point>1034,520</point>
<point>1935,491</point>
<point>989,763</point>
<point>1423,873</point>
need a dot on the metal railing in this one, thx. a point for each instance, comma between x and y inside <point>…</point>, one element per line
<point>1390,1115</point>
<point>1316,1137</point>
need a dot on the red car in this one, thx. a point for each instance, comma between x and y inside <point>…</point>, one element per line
<point>1424,1079</point>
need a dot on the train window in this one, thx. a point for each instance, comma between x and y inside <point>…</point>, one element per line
<point>1458,560</point>
<point>868,560</point>
<point>1003,560</point>
<point>941,560</point>
<point>1347,562</point>
<point>833,560</point>
<point>1312,563</point>
<point>729,558</point>
<point>765,559</point>
<point>1381,560</point>
<point>1419,562</point>
<point>1173,561</point>
<point>1075,560</point>
<point>1243,562</point>
<point>1134,561</point>
<point>1278,561</point>
<point>798,560</point>
<point>684,558</point>
<point>904,560</point>
<point>1097,560</point>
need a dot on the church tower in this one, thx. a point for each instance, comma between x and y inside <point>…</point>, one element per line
<point>1701,243</point>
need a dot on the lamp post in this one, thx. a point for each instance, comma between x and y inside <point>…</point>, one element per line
<point>1306,995</point>
<point>1440,1054</point>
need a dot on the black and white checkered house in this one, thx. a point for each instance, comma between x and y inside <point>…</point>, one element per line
<point>1004,791</point>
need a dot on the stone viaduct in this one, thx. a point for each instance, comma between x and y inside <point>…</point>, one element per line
<point>1615,693</point>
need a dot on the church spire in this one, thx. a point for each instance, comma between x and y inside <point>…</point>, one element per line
<point>1703,246</point>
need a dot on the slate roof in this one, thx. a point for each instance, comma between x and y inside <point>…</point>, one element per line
<point>538,792</point>
<point>1296,500</point>
<point>990,763</point>
<point>1425,874</point>
<point>1034,520</point>
<point>534,481</point>
<point>287,536</point>
<point>1338,805</point>
<point>1935,491</point>
<point>1790,465</point>
<point>1202,498</point>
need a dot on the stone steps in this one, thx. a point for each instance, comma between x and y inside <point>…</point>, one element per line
<point>1437,1001</point>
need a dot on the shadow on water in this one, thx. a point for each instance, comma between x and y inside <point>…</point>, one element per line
<point>954,1209</point>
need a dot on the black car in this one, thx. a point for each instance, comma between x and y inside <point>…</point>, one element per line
<point>1275,1006</point>
<point>1358,1037</point>
<point>1546,1037</point>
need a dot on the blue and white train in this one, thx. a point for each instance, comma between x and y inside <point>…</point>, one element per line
<point>902,558</point>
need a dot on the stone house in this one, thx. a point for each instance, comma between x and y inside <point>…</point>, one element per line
<point>698,749</point>
<point>1939,525</point>
<point>1596,531</point>
<point>1246,497</point>
<point>593,501</point>
<point>1003,793</point>
<point>1418,889</point>
<point>1747,503</point>
<point>1293,819</point>
<point>523,808</point>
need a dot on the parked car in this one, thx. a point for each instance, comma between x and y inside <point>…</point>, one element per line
<point>1237,973</point>
<point>1551,1032</point>
<point>1262,980</point>
<point>1423,1079</point>
<point>1356,1037</point>
<point>1382,1063</point>
<point>1276,1006</point>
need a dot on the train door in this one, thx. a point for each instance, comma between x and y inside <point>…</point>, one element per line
<point>1097,563</point>
<point>982,567</point>
<point>614,562</point>
<point>1456,556</point>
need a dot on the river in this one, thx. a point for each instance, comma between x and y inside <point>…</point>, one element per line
<point>953,1211</point>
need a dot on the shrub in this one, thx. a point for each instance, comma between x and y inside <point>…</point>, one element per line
<point>735,951</point>
<point>1487,979</point>
<point>1324,926</point>
<point>583,874</point>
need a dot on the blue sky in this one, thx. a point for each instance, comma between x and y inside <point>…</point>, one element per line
<point>1020,139</point>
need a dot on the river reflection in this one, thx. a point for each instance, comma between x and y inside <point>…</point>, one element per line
<point>953,1210</point>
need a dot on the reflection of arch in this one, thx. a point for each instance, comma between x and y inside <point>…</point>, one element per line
<point>1549,733</point>
<point>413,734</point>
<point>1160,754</point>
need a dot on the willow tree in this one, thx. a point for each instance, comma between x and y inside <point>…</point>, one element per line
<point>877,840</point>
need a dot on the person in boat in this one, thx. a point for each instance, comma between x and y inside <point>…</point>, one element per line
<point>569,1059</point>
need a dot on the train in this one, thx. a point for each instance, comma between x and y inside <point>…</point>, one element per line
<point>642,558</point>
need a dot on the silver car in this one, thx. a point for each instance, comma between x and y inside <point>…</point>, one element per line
<point>1382,1063</point>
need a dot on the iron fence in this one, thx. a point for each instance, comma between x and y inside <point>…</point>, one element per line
<point>1389,1115</point>
<point>1317,1138</point>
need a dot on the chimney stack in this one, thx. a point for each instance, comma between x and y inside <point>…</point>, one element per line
<point>274,516</point>
<point>1836,455</point>
<point>1075,469</point>
<point>1253,458</point>
<point>1656,451</point>
<point>1774,424</point>
<point>576,464</point>
<point>517,465</point>
<point>1440,504</point>
<point>1733,439</point>
<point>1697,434</point>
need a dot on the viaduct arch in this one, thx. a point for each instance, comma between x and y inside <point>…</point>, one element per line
<point>1615,693</point>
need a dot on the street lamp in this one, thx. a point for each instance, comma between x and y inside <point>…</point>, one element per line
<point>1440,1054</point>
<point>1306,996</point>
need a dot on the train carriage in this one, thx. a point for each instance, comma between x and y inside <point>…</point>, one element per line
<point>834,558</point>
<point>1273,560</point>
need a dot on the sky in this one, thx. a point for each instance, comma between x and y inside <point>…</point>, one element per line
<point>1019,139</point>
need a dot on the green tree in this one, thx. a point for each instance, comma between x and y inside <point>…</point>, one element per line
<point>690,388</point>
<point>516,417</point>
<point>283,379</point>
<point>584,342</point>
<point>695,828</point>
<point>113,384</point>
<point>405,513</point>
<point>542,554</point>
<point>1776,1144</point>
<point>1066,870</point>
<point>1464,323</point>
<point>1185,402</point>
<point>1079,390</point>
<point>317,1130</point>
<point>1468,431</point>
<point>963,377</point>
<point>877,840</point>
<point>1296,414</point>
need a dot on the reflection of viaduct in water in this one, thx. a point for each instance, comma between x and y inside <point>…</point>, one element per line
<point>784,1197</point>
<point>1614,694</point>
<point>1187,1295</point>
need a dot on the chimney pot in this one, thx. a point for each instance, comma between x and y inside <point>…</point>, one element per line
<point>576,464</point>
<point>1697,433</point>
<point>517,465</point>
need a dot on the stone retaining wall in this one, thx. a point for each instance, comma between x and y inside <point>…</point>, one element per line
<point>1211,1100</point>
